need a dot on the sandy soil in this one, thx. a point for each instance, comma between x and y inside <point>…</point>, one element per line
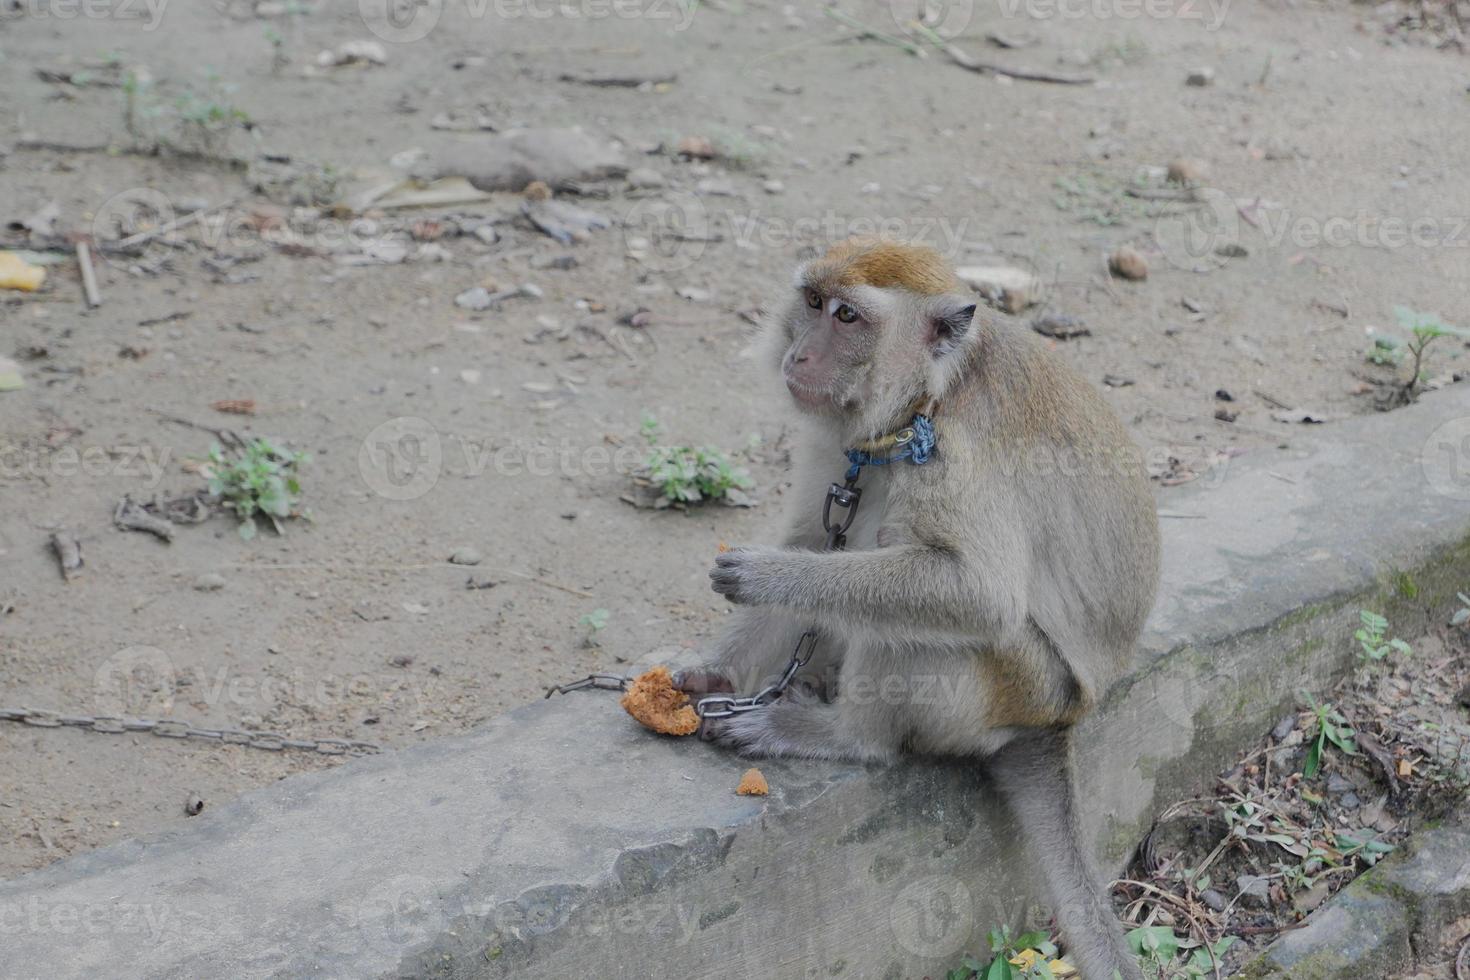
<point>355,625</point>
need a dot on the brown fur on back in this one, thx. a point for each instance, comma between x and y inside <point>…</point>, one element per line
<point>884,264</point>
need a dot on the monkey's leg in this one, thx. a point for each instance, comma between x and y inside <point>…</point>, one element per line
<point>864,724</point>
<point>800,726</point>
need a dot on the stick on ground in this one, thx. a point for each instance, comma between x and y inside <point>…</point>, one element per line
<point>69,553</point>
<point>971,63</point>
<point>89,275</point>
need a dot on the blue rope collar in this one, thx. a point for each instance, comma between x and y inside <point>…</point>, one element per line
<point>914,443</point>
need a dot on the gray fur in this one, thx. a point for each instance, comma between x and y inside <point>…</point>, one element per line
<point>985,601</point>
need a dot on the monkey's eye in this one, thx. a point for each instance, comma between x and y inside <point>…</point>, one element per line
<point>846,313</point>
<point>814,299</point>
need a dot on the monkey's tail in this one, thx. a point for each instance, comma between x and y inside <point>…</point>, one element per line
<point>1034,774</point>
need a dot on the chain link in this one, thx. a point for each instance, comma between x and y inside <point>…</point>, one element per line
<point>169,728</point>
<point>603,682</point>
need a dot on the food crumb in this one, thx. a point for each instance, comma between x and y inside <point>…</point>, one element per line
<point>753,783</point>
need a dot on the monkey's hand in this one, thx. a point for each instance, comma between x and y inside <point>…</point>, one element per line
<point>748,576</point>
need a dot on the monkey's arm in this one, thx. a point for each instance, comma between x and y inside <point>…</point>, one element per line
<point>903,585</point>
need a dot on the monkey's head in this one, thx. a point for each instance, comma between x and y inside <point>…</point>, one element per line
<point>875,326</point>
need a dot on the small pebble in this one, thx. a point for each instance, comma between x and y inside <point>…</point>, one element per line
<point>1186,171</point>
<point>1288,722</point>
<point>1128,263</point>
<point>1200,77</point>
<point>466,555</point>
<point>210,582</point>
<point>1254,891</point>
<point>645,178</point>
<point>475,298</point>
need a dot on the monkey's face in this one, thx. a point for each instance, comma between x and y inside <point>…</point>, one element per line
<point>858,349</point>
<point>833,339</point>
<point>874,326</point>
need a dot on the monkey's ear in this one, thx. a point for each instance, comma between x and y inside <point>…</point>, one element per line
<point>949,323</point>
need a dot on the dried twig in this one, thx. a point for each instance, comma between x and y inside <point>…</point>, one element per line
<point>89,275</point>
<point>169,227</point>
<point>226,436</point>
<point>131,517</point>
<point>296,566</point>
<point>971,63</point>
<point>867,32</point>
<point>69,552</point>
<point>618,81</point>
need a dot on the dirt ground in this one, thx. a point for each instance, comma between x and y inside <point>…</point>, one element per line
<point>1338,145</point>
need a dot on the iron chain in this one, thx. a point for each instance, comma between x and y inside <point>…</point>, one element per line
<point>845,495</point>
<point>603,682</point>
<point>167,728</point>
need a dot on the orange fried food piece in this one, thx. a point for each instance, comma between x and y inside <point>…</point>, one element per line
<point>753,783</point>
<point>656,703</point>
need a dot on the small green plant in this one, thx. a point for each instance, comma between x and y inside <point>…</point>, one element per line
<point>1372,636</point>
<point>594,622</point>
<point>198,122</point>
<point>1158,951</point>
<point>1369,851</point>
<point>1332,728</point>
<point>1462,615</point>
<point>1391,351</point>
<point>259,478</point>
<point>689,474</point>
<point>1035,951</point>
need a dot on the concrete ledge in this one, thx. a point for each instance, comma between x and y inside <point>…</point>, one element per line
<point>560,840</point>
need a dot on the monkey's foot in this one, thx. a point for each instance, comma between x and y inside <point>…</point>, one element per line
<point>695,681</point>
<point>798,726</point>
